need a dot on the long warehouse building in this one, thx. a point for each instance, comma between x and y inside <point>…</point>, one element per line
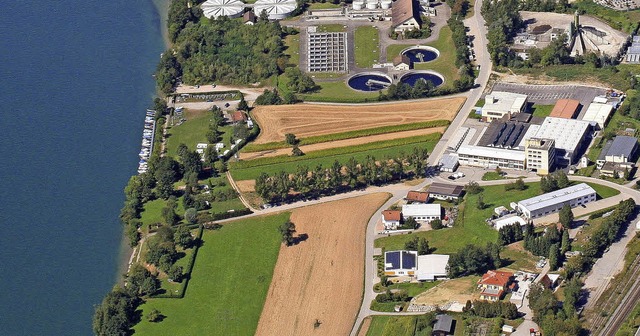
<point>554,201</point>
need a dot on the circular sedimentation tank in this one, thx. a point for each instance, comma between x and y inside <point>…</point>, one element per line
<point>421,54</point>
<point>369,81</point>
<point>215,8</point>
<point>276,9</point>
<point>413,77</point>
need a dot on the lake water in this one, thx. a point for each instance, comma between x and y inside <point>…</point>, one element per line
<point>75,81</point>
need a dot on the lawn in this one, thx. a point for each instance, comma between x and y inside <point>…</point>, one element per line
<point>194,131</point>
<point>249,170</point>
<point>444,64</point>
<point>339,92</point>
<point>228,285</point>
<point>323,5</point>
<point>292,49</point>
<point>367,46</point>
<point>152,211</point>
<point>492,176</point>
<point>542,111</point>
<point>603,191</point>
<point>471,228</point>
<point>392,326</point>
<point>331,28</point>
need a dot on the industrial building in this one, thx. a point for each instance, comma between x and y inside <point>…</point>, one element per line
<point>422,213</point>
<point>507,134</point>
<point>620,150</point>
<point>499,103</point>
<point>554,201</point>
<point>444,191</point>
<point>488,157</point>
<point>449,163</point>
<point>633,51</point>
<point>432,267</point>
<point>570,136</point>
<point>598,114</point>
<point>275,9</point>
<point>405,15</point>
<point>326,52</point>
<point>213,9</point>
<point>540,155</point>
<point>565,108</point>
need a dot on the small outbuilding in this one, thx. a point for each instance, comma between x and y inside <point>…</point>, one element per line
<point>443,326</point>
<point>449,163</point>
<point>401,62</point>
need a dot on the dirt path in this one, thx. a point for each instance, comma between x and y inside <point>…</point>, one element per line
<point>343,143</point>
<point>306,120</point>
<point>320,279</point>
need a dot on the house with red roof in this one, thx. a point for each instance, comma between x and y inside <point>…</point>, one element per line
<point>417,197</point>
<point>238,116</point>
<point>391,219</point>
<point>494,284</point>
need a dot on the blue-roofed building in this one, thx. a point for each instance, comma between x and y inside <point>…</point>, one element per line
<point>400,263</point>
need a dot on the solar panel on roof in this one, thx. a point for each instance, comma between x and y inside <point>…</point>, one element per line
<point>408,260</point>
<point>392,260</point>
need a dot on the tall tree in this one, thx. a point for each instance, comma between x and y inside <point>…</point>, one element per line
<point>566,216</point>
<point>287,230</point>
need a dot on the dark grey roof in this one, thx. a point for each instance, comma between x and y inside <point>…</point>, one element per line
<point>622,146</point>
<point>605,150</point>
<point>503,134</point>
<point>445,189</point>
<point>408,260</point>
<point>392,258</point>
<point>443,323</point>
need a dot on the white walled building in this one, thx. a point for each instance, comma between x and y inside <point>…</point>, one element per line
<point>598,114</point>
<point>491,157</point>
<point>499,103</point>
<point>423,213</point>
<point>554,201</point>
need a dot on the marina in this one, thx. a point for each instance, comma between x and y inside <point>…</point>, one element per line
<point>147,141</point>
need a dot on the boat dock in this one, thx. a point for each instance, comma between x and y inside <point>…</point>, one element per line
<point>148,135</point>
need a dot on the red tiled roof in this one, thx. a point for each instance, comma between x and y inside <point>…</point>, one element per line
<point>238,116</point>
<point>496,278</point>
<point>417,196</point>
<point>565,108</point>
<point>391,215</point>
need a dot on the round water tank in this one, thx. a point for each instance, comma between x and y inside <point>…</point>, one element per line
<point>357,6</point>
<point>385,4</point>
<point>372,5</point>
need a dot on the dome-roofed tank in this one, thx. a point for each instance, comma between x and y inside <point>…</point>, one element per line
<point>217,8</point>
<point>276,9</point>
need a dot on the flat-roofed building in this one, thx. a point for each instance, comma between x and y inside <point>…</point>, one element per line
<point>445,191</point>
<point>449,163</point>
<point>422,213</point>
<point>400,263</point>
<point>504,134</point>
<point>499,103</point>
<point>569,136</point>
<point>432,267</point>
<point>598,114</point>
<point>488,157</point>
<point>540,154</point>
<point>565,108</point>
<point>620,149</point>
<point>549,203</point>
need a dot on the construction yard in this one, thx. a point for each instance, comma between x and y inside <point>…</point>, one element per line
<point>309,120</point>
<point>317,284</point>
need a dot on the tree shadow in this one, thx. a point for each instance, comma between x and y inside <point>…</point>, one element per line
<point>299,239</point>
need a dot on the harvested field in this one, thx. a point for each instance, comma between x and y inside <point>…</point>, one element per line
<point>364,327</point>
<point>305,120</point>
<point>343,143</point>
<point>459,290</point>
<point>321,278</point>
<point>246,186</point>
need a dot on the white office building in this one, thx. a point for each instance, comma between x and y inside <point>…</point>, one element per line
<point>498,104</point>
<point>554,201</point>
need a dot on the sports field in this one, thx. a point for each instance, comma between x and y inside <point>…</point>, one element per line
<point>321,278</point>
<point>307,120</point>
<point>228,285</point>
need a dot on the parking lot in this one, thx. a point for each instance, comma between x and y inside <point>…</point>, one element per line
<point>549,94</point>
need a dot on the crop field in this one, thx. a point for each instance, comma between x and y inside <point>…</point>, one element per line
<point>342,143</point>
<point>228,285</point>
<point>249,170</point>
<point>321,278</point>
<point>307,120</point>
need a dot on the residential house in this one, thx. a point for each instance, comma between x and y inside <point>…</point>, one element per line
<point>417,197</point>
<point>494,284</point>
<point>238,117</point>
<point>391,219</point>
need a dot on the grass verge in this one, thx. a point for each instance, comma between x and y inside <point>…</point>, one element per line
<point>542,111</point>
<point>228,284</point>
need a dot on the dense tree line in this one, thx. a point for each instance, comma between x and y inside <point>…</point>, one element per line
<point>116,314</point>
<point>503,20</point>
<point>552,319</point>
<point>419,244</point>
<point>510,234</point>
<point>221,50</point>
<point>555,181</point>
<point>298,81</point>
<point>388,296</point>
<point>609,229</point>
<point>558,6</point>
<point>474,260</point>
<point>459,8</point>
<point>518,184</point>
<point>489,309</point>
<point>312,183</point>
<point>631,105</point>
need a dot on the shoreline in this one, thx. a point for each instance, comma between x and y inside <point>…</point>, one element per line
<point>125,252</point>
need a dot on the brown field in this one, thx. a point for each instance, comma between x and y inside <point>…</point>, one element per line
<point>459,290</point>
<point>322,277</point>
<point>306,120</point>
<point>246,186</point>
<point>343,143</point>
<point>364,327</point>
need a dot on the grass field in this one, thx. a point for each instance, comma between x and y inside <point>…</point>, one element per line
<point>339,92</point>
<point>542,110</point>
<point>471,228</point>
<point>444,64</point>
<point>254,168</point>
<point>193,131</point>
<point>152,211</point>
<point>228,285</point>
<point>323,5</point>
<point>331,28</point>
<point>367,46</point>
<point>292,44</point>
<point>392,326</point>
<point>492,176</point>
